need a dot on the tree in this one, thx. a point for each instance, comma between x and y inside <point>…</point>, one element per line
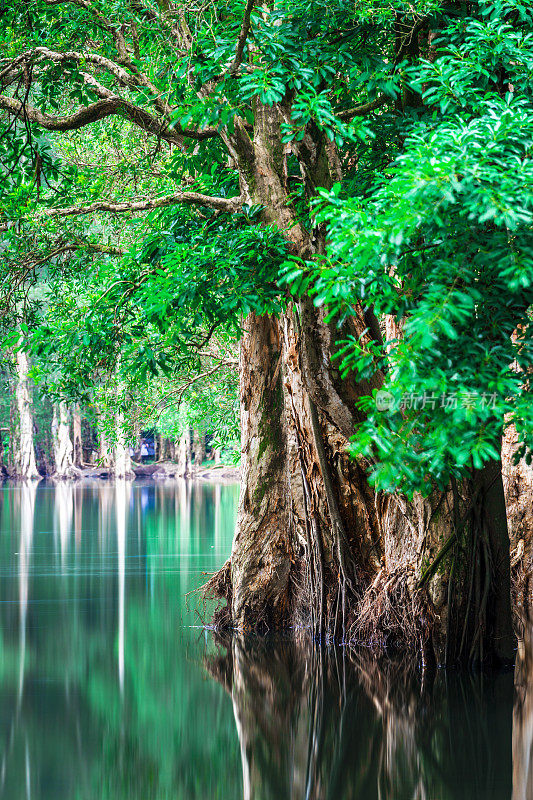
<point>62,444</point>
<point>261,110</point>
<point>21,463</point>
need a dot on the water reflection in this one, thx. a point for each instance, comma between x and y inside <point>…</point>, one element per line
<point>523,719</point>
<point>104,691</point>
<point>319,724</point>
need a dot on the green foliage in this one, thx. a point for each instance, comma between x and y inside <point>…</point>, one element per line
<point>443,245</point>
<point>431,227</point>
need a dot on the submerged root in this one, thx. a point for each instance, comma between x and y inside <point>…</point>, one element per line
<point>394,616</point>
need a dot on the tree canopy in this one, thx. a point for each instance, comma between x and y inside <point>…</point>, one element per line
<point>426,118</point>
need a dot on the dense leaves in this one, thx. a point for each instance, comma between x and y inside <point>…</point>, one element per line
<point>442,247</point>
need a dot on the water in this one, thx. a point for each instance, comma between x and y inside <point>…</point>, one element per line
<point>110,690</point>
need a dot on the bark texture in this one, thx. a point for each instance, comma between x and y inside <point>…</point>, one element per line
<point>518,486</point>
<point>261,553</point>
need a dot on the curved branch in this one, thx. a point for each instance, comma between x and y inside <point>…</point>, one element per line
<point>106,107</point>
<point>231,204</point>
<point>366,108</point>
<point>98,60</point>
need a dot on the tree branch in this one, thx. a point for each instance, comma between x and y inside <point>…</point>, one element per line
<point>243,35</point>
<point>230,205</point>
<point>367,108</point>
<point>106,107</point>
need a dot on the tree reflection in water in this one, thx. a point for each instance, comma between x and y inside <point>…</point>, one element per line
<point>323,723</point>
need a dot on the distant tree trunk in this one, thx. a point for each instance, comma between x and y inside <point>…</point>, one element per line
<point>77,441</point>
<point>123,469</point>
<point>164,448</point>
<point>105,450</point>
<point>61,443</point>
<point>3,449</point>
<point>22,464</point>
<point>198,447</point>
<point>217,456</point>
<point>183,454</point>
<point>171,449</point>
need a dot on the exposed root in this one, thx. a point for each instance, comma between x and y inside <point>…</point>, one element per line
<point>520,589</point>
<point>394,616</point>
<point>219,588</point>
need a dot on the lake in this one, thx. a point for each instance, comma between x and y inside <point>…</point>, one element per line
<point>111,689</point>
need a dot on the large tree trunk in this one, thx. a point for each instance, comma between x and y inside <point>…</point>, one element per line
<point>262,551</point>
<point>22,464</point>
<point>61,443</point>
<point>314,543</point>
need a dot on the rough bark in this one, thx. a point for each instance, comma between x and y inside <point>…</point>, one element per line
<point>22,464</point>
<point>518,486</point>
<point>61,443</point>
<point>262,549</point>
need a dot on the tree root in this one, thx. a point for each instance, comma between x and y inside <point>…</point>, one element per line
<point>219,588</point>
<point>394,616</point>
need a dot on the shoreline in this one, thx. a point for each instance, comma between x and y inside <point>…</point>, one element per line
<point>158,472</point>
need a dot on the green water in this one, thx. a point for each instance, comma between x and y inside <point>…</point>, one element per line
<point>110,689</point>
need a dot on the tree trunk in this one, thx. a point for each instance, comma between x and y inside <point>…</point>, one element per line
<point>61,444</point>
<point>77,441</point>
<point>198,447</point>
<point>518,486</point>
<point>123,468</point>
<point>22,464</point>
<point>105,450</point>
<point>262,550</point>
<point>314,544</point>
<point>183,455</point>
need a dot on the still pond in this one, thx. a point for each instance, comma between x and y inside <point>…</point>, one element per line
<point>111,689</point>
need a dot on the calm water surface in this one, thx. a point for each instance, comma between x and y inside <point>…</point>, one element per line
<point>111,690</point>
